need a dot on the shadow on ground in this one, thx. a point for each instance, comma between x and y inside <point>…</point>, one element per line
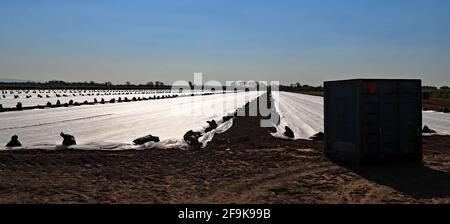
<point>417,181</point>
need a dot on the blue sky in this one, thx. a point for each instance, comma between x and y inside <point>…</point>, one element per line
<point>285,40</point>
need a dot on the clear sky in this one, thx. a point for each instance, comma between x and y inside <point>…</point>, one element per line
<point>167,40</point>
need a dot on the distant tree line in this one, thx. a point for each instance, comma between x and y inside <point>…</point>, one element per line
<point>299,88</point>
<point>56,84</point>
<point>433,92</point>
<point>425,88</point>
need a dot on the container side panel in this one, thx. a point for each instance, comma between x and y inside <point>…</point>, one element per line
<point>341,128</point>
<point>367,120</point>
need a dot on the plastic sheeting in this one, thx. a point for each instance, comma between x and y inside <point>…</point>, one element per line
<point>11,102</point>
<point>440,122</point>
<point>302,113</point>
<point>115,126</point>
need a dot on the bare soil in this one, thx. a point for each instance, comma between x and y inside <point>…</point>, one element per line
<point>436,104</point>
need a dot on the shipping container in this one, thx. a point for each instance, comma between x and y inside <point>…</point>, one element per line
<point>372,120</point>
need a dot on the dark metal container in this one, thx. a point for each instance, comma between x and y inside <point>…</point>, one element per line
<point>369,120</point>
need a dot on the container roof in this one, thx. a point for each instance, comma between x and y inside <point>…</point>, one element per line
<point>375,80</point>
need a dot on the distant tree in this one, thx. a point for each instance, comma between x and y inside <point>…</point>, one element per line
<point>150,84</point>
<point>444,87</point>
<point>128,83</point>
<point>429,88</point>
<point>56,82</point>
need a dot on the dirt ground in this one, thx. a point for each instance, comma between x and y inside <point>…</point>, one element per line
<point>244,165</point>
<point>436,104</point>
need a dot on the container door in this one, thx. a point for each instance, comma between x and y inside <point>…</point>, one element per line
<point>390,118</point>
<point>410,121</point>
<point>371,122</point>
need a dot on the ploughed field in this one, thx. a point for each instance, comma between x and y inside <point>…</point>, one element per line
<point>112,119</point>
<point>245,164</point>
